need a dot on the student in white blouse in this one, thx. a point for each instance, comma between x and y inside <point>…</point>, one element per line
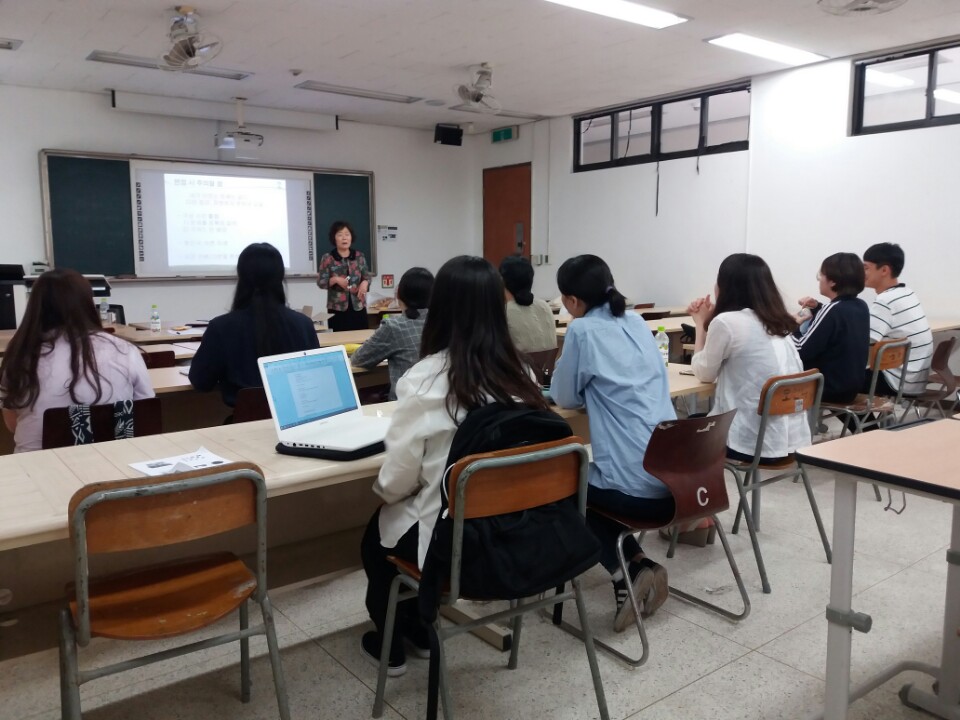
<point>468,361</point>
<point>742,341</point>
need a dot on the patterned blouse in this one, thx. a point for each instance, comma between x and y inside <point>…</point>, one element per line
<point>354,267</point>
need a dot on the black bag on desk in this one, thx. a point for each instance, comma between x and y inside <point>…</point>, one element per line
<point>514,555</point>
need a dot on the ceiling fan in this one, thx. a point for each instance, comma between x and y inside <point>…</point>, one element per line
<point>191,47</point>
<point>477,94</point>
<point>859,7</point>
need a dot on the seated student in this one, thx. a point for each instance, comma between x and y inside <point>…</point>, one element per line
<point>742,341</point>
<point>258,324</point>
<point>60,356</point>
<point>468,361</point>
<point>838,334</point>
<point>532,323</point>
<point>397,340</point>
<point>896,313</point>
<point>611,364</point>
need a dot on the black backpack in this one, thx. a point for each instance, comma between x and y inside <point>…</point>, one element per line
<point>515,555</point>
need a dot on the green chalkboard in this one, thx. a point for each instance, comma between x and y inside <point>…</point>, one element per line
<point>89,218</point>
<point>347,198</point>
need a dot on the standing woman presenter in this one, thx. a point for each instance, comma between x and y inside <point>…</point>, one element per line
<point>345,276</point>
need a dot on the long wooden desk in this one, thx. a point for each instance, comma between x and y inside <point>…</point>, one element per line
<point>344,337</point>
<point>670,325</point>
<point>922,460</point>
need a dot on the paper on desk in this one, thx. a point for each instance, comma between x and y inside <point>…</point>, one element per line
<point>198,460</point>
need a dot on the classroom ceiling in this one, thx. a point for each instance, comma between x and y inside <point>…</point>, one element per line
<point>548,60</point>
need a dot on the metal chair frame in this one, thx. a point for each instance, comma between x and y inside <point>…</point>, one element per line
<point>715,423</point>
<point>71,636</point>
<point>940,374</point>
<point>748,476</point>
<point>517,606</point>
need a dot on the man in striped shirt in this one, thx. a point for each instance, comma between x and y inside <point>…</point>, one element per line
<point>897,314</point>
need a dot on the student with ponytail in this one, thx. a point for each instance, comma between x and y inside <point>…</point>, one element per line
<point>397,340</point>
<point>610,364</point>
<point>531,321</point>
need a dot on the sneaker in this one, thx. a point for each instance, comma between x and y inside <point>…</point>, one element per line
<point>660,590</point>
<point>370,645</point>
<point>417,644</point>
<point>642,582</point>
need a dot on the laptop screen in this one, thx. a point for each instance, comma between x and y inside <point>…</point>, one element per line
<point>309,387</point>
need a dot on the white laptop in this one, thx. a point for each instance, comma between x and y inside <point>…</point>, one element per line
<point>314,403</point>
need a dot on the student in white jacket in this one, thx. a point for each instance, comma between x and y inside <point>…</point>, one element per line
<point>468,360</point>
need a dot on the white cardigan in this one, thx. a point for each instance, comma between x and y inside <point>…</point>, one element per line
<point>740,356</point>
<point>418,442</point>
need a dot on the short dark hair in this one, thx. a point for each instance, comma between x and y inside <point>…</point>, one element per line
<point>336,227</point>
<point>745,281</point>
<point>414,290</point>
<point>845,271</point>
<point>589,278</point>
<point>517,274</point>
<point>889,254</point>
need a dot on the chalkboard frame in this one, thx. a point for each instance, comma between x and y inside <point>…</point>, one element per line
<point>320,233</point>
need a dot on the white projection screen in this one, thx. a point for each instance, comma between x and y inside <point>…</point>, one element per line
<point>193,219</point>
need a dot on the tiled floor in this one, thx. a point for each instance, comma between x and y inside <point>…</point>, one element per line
<point>769,666</point>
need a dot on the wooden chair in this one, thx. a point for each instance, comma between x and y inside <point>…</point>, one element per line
<point>542,362</point>
<point>654,314</point>
<point>56,423</point>
<point>162,359</point>
<point>940,375</point>
<point>687,456</point>
<point>251,404</point>
<point>173,598</point>
<point>643,306</point>
<point>781,395</point>
<point>482,486</point>
<point>119,317</point>
<point>868,409</point>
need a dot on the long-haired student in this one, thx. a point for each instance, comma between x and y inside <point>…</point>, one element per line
<point>468,361</point>
<point>60,356</point>
<point>611,365</point>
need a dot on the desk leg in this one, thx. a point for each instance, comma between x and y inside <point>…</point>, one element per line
<point>841,593</point>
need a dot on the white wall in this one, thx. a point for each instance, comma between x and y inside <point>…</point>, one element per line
<point>421,188</point>
<point>814,190</point>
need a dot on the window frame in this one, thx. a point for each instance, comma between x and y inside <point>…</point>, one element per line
<point>656,127</point>
<point>930,119</point>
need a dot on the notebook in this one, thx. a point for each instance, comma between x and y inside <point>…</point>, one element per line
<point>315,408</point>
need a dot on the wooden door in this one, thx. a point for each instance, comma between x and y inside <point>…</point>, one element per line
<point>506,212</point>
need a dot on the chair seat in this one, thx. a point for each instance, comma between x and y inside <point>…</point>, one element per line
<point>405,566</point>
<point>168,599</point>
<point>630,522</point>
<point>860,405</point>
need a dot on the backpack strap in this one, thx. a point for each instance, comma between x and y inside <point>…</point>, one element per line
<point>80,427</point>
<point>123,419</point>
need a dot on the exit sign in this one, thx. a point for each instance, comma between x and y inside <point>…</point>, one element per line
<point>505,134</point>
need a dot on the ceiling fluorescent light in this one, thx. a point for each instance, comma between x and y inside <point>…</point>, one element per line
<point>950,96</point>
<point>502,113</point>
<point>357,92</point>
<point>886,79</point>
<point>150,63</point>
<point>625,10</point>
<point>10,44</point>
<point>766,49</point>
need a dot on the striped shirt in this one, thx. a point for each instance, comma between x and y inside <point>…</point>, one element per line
<point>897,314</point>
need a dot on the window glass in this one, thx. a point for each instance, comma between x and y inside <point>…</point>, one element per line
<point>728,118</point>
<point>680,126</point>
<point>595,140</point>
<point>633,132</point>
<point>946,96</point>
<point>895,91</point>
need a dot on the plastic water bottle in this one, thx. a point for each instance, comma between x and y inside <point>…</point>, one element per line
<point>104,311</point>
<point>154,319</point>
<point>663,345</point>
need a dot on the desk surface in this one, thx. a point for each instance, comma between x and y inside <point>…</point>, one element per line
<point>670,324</point>
<point>166,335</point>
<point>922,458</point>
<point>179,351</point>
<point>328,339</point>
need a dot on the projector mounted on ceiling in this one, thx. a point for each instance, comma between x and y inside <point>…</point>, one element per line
<point>239,138</point>
<point>859,7</point>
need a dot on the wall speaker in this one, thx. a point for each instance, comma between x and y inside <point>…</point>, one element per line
<point>448,134</point>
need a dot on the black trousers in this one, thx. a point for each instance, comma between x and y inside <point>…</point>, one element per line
<point>380,574</point>
<point>349,320</point>
<point>607,531</point>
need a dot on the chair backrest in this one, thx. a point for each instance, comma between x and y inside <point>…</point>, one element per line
<point>788,395</point>
<point>147,420</point>
<point>542,362</point>
<point>251,404</point>
<point>940,366</point>
<point>162,359</point>
<point>118,315</point>
<point>654,314</point>
<point>516,479</point>
<point>142,513</point>
<point>888,355</point>
<point>688,457</point>
<point>688,333</point>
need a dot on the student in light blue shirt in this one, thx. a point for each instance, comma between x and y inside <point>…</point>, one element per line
<point>611,364</point>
